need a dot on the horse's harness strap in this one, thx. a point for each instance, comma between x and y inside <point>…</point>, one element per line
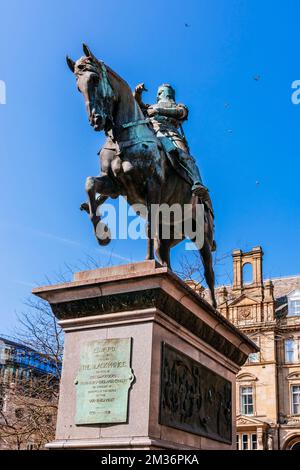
<point>135,123</point>
<point>130,143</point>
<point>118,129</point>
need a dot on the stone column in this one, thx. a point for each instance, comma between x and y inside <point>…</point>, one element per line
<point>260,440</point>
<point>237,270</point>
<point>257,255</point>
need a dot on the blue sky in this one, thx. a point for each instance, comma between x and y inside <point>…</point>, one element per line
<point>243,132</point>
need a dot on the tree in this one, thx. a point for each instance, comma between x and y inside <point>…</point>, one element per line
<point>190,270</point>
<point>29,404</point>
<point>30,399</point>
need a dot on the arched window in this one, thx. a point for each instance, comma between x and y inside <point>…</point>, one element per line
<point>247,273</point>
<point>293,443</point>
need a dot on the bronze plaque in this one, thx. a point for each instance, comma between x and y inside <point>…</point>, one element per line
<point>194,398</point>
<point>103,381</point>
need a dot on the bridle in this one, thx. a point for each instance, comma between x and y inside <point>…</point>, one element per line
<point>107,95</point>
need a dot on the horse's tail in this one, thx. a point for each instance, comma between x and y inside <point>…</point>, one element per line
<point>209,215</point>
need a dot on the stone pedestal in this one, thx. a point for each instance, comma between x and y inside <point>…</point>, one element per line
<point>183,361</point>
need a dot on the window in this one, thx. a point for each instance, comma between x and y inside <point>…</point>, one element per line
<point>254,357</point>
<point>292,350</point>
<point>245,442</point>
<point>7,352</point>
<point>254,441</point>
<point>294,304</point>
<point>294,307</point>
<point>296,399</point>
<point>247,400</point>
<point>247,273</point>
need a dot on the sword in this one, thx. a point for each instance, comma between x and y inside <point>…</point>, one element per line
<point>184,138</point>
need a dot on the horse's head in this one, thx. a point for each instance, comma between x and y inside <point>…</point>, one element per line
<point>93,83</point>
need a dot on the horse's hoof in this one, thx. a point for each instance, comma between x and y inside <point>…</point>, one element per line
<point>103,234</point>
<point>104,242</point>
<point>85,207</point>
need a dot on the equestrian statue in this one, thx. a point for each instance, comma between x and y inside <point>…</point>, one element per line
<point>145,158</point>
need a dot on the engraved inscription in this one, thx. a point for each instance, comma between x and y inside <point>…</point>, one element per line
<point>193,397</point>
<point>103,382</point>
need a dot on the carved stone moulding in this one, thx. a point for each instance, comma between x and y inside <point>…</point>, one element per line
<point>148,298</point>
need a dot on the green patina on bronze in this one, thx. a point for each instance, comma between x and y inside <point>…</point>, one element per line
<point>103,382</point>
<point>145,151</point>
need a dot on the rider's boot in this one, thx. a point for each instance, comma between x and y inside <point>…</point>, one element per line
<point>189,163</point>
<point>198,189</point>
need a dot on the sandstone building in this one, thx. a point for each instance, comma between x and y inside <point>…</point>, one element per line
<point>268,385</point>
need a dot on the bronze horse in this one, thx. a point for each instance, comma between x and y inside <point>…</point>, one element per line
<point>140,169</point>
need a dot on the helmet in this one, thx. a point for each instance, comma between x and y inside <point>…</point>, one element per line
<point>165,92</point>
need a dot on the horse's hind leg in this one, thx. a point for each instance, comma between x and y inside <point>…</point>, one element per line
<point>153,200</point>
<point>209,274</point>
<point>150,240</point>
<point>162,250</point>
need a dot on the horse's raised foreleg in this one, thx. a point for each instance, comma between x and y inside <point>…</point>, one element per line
<point>100,200</point>
<point>104,186</point>
<point>107,160</point>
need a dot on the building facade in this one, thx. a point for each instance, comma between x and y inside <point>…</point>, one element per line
<point>28,390</point>
<point>268,385</point>
<point>18,362</point>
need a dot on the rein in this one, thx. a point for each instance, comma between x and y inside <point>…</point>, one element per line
<point>107,95</point>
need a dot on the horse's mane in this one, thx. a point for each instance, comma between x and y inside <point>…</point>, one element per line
<point>125,84</point>
<point>92,58</point>
<point>117,76</point>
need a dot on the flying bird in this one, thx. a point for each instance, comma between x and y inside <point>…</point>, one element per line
<point>187,25</point>
<point>256,78</point>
